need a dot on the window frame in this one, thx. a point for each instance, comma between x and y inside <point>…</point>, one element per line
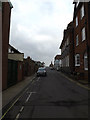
<point>83,32</point>
<point>82,12</point>
<point>77,40</point>
<point>85,60</point>
<point>76,21</point>
<point>76,58</point>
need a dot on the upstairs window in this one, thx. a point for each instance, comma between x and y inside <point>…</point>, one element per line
<point>77,60</point>
<point>82,11</point>
<point>76,21</point>
<point>83,34</point>
<point>77,41</point>
<point>85,62</point>
<point>77,4</point>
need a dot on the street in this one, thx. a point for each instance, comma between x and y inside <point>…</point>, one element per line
<point>52,96</point>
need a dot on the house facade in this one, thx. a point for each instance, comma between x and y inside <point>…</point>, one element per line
<point>81,20</point>
<point>15,65</point>
<point>6,13</point>
<point>57,62</point>
<point>30,66</point>
<point>67,50</point>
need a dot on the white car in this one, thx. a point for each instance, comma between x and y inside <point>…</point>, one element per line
<point>41,71</point>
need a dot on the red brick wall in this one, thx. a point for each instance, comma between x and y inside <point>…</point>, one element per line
<point>5,41</point>
<point>82,47</point>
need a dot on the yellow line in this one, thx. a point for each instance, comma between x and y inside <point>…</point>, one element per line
<point>10,108</point>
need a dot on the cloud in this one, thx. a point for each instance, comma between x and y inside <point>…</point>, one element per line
<point>37,27</point>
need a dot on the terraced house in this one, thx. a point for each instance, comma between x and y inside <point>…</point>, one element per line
<point>67,50</point>
<point>81,20</point>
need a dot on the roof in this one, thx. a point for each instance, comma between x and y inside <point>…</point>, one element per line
<point>11,6</point>
<point>65,33</point>
<point>57,57</point>
<point>14,49</point>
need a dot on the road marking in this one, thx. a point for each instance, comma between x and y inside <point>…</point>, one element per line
<point>26,89</point>
<point>21,108</point>
<point>28,97</point>
<point>10,108</point>
<point>38,79</point>
<point>17,116</point>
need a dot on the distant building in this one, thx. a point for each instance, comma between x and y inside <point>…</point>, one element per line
<point>67,50</point>
<point>51,64</point>
<point>30,66</point>
<point>6,12</point>
<point>81,21</point>
<point>57,62</point>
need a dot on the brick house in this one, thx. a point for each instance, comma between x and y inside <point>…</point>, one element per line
<point>6,13</point>
<point>67,50</point>
<point>15,64</point>
<point>81,20</point>
<point>30,66</point>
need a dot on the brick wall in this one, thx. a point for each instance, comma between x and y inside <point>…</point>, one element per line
<point>82,47</point>
<point>6,11</point>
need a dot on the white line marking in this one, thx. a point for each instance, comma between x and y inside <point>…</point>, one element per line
<point>38,79</point>
<point>28,97</point>
<point>17,116</point>
<point>21,108</point>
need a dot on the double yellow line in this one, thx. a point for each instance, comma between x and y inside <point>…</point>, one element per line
<point>10,108</point>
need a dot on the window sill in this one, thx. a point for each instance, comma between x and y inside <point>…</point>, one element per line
<point>77,65</point>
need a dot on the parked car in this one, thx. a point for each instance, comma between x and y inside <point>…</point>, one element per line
<point>51,68</point>
<point>41,71</point>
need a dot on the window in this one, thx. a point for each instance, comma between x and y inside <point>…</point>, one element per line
<point>83,34</point>
<point>76,21</point>
<point>82,11</point>
<point>85,62</point>
<point>77,42</point>
<point>9,50</point>
<point>77,4</point>
<point>77,60</point>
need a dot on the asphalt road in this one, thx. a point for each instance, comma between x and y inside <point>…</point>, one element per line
<point>52,96</point>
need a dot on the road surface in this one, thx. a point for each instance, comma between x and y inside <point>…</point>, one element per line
<point>52,96</point>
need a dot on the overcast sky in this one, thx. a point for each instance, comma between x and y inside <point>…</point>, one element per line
<point>37,27</point>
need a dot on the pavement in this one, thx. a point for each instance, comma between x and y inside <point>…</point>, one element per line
<point>81,83</point>
<point>9,94</point>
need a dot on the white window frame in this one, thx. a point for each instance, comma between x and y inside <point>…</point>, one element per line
<point>77,41</point>
<point>82,11</point>
<point>77,4</point>
<point>76,21</point>
<point>85,60</point>
<point>83,34</point>
<point>76,60</point>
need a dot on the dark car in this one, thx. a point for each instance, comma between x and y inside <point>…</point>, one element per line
<point>41,71</point>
